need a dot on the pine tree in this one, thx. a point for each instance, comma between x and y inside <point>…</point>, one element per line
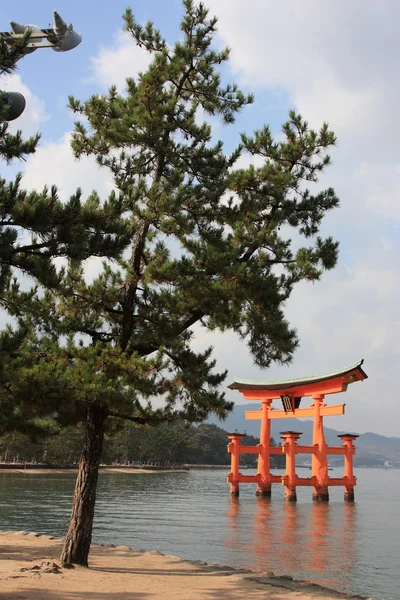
<point>35,228</point>
<point>210,244</point>
<point>51,228</point>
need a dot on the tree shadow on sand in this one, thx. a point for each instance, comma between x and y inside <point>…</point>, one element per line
<point>238,591</point>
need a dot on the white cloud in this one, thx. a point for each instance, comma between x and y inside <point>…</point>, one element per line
<point>383,189</point>
<point>351,314</point>
<point>35,112</point>
<point>54,163</point>
<point>113,64</point>
<point>335,62</point>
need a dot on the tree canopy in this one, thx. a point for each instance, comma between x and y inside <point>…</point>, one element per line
<point>210,243</point>
<point>165,445</point>
<point>35,228</point>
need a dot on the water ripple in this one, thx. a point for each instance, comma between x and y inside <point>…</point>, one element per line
<point>352,547</point>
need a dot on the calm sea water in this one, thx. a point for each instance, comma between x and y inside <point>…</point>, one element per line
<point>354,548</point>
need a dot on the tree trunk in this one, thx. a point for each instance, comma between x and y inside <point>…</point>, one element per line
<point>79,536</point>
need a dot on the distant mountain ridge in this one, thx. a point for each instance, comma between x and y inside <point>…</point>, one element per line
<point>372,448</point>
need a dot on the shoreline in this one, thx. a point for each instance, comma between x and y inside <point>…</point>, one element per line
<point>31,568</point>
<point>40,470</point>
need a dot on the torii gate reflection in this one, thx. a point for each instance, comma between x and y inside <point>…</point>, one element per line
<point>312,541</point>
<point>291,392</point>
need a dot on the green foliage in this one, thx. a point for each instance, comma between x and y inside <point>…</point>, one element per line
<point>202,241</point>
<point>210,243</point>
<point>64,448</point>
<point>18,447</point>
<point>173,444</point>
<point>36,228</point>
<point>58,447</point>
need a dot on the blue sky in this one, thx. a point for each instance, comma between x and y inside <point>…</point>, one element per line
<point>59,75</point>
<point>331,61</point>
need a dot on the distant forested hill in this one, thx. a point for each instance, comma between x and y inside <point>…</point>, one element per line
<point>173,444</point>
<point>180,444</point>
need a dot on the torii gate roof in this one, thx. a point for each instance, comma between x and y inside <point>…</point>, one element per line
<point>330,383</point>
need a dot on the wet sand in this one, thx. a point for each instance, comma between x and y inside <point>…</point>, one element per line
<point>30,569</point>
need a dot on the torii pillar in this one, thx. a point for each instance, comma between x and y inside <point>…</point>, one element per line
<point>289,444</point>
<point>263,465</point>
<point>349,451</point>
<point>319,461</point>
<point>234,449</point>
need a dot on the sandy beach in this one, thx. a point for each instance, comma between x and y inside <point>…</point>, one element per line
<point>30,569</point>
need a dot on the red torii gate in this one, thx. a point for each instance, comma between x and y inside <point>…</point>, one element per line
<point>291,393</point>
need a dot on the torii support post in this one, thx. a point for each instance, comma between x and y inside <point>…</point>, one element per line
<point>350,450</point>
<point>289,479</point>
<point>234,449</point>
<point>263,467</point>
<point>319,459</point>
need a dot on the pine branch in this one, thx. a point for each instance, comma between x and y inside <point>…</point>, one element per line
<point>142,420</point>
